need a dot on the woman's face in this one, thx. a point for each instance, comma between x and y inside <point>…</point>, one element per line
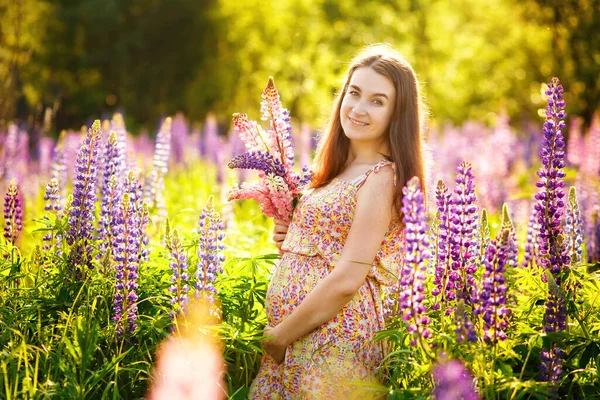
<point>367,106</point>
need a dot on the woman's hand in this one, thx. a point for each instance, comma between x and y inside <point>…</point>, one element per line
<point>280,231</point>
<point>273,346</point>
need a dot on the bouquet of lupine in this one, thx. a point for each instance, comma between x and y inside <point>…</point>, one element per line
<point>271,153</point>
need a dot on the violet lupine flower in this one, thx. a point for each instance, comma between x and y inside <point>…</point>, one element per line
<point>532,245</point>
<point>444,286</point>
<point>463,237</point>
<point>112,190</point>
<point>59,166</point>
<point>13,213</point>
<point>180,279</point>
<point>260,161</point>
<point>210,248</point>
<point>416,255</point>
<point>83,206</point>
<point>464,327</point>
<point>126,261</point>
<point>510,244</point>
<point>179,138</point>
<point>555,321</point>
<point>493,291</point>
<point>593,245</point>
<point>54,206</point>
<point>452,381</point>
<point>553,254</point>
<point>162,149</point>
<point>574,228</point>
<point>117,124</point>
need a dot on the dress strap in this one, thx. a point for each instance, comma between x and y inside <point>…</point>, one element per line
<point>360,180</point>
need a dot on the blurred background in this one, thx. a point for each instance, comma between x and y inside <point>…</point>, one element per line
<point>66,62</point>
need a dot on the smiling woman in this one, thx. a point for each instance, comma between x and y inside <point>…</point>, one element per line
<point>344,242</point>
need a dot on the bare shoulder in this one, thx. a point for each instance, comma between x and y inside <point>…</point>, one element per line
<point>379,185</point>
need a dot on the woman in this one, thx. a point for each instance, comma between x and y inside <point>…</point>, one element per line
<point>345,238</point>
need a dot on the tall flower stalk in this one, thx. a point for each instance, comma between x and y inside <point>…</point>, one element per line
<point>553,252</point>
<point>54,206</point>
<point>83,206</point>
<point>444,285</point>
<point>13,214</point>
<point>574,228</point>
<point>210,248</point>
<point>126,262</point>
<point>180,278</point>
<point>463,228</point>
<point>416,255</point>
<point>160,163</point>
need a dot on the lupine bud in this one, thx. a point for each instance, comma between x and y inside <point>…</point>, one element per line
<point>13,213</point>
<point>180,278</point>
<point>54,206</point>
<point>444,286</point>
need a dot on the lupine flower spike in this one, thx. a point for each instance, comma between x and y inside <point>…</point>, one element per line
<point>463,237</point>
<point>444,285</point>
<point>210,248</point>
<point>270,152</point>
<point>82,208</point>
<point>416,255</point>
<point>126,261</point>
<point>162,150</point>
<point>54,206</point>
<point>453,381</point>
<point>13,213</point>
<point>180,278</point>
<point>553,252</point>
<point>574,229</point>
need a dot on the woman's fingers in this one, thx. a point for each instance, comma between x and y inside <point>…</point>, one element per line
<point>280,229</point>
<point>281,222</point>
<point>278,237</point>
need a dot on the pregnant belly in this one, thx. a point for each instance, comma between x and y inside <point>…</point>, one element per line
<point>294,277</point>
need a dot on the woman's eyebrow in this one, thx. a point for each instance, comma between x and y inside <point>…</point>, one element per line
<point>374,94</point>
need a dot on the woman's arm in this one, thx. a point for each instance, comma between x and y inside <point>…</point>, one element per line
<point>372,218</point>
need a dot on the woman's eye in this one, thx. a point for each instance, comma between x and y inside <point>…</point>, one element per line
<point>378,102</point>
<point>353,93</point>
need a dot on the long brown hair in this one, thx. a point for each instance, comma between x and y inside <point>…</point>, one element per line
<point>404,134</point>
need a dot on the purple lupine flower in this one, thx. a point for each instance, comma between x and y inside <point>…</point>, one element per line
<point>493,291</point>
<point>112,190</point>
<point>11,143</point>
<point>444,286</point>
<point>553,255</point>
<point>160,166</point>
<point>532,245</point>
<point>574,228</point>
<point>416,255</point>
<point>45,148</point>
<point>125,257</point>
<point>59,166</point>
<point>510,244</point>
<point>260,161</point>
<point>83,205</point>
<point>117,124</point>
<point>179,138</point>
<point>210,248</point>
<point>54,206</point>
<point>180,279</point>
<point>555,321</point>
<point>13,213</point>
<point>575,145</point>
<point>211,142</point>
<point>463,228</point>
<point>452,381</point>
<point>593,246</point>
<point>464,327</point>
<point>590,165</point>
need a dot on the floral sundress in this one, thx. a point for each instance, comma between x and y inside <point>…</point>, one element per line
<point>325,363</point>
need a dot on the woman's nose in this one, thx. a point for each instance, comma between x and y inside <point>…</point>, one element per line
<point>358,108</point>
